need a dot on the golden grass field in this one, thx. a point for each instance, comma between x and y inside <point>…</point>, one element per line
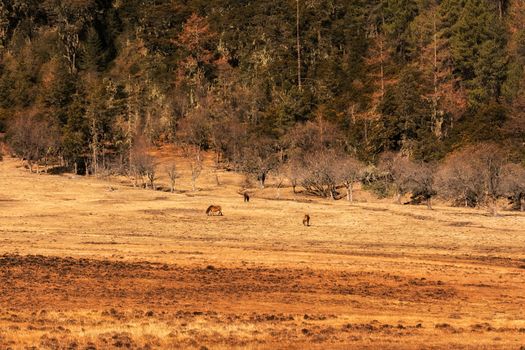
<point>84,267</point>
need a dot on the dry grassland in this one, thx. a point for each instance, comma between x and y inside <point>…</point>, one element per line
<point>84,267</point>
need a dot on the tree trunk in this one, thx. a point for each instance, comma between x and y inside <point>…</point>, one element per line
<point>262,179</point>
<point>94,144</point>
<point>350,192</point>
<point>382,69</point>
<point>298,48</point>
<point>494,207</point>
<point>429,203</point>
<point>398,198</point>
<point>366,131</point>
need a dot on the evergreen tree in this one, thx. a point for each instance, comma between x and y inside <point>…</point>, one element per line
<point>92,54</point>
<point>478,50</point>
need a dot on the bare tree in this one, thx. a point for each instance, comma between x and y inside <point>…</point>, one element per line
<point>397,170</point>
<point>473,176</point>
<point>513,184</point>
<point>173,175</point>
<point>151,173</point>
<point>32,140</point>
<point>420,182</point>
<point>406,176</point>
<point>259,159</point>
<point>491,159</point>
<point>293,172</point>
<point>457,179</point>
<point>193,154</point>
<point>280,175</point>
<point>142,165</point>
<point>196,169</point>
<point>320,173</point>
<point>349,171</point>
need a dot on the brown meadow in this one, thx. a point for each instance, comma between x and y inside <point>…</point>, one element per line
<point>84,267</point>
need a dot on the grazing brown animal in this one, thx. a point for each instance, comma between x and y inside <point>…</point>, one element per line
<point>214,210</point>
<point>246,197</point>
<point>306,220</point>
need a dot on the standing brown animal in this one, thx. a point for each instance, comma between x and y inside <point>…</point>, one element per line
<point>246,197</point>
<point>214,210</point>
<point>306,220</point>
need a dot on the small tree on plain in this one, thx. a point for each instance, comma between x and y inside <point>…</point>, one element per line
<point>420,182</point>
<point>320,173</point>
<point>196,170</point>
<point>142,166</point>
<point>173,175</point>
<point>293,171</point>
<point>513,184</point>
<point>259,159</point>
<point>151,173</point>
<point>398,172</point>
<point>280,175</point>
<point>458,179</point>
<point>491,159</point>
<point>193,153</point>
<point>349,171</point>
<point>32,139</point>
<point>474,176</point>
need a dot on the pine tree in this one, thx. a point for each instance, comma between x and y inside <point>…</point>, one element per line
<point>478,50</point>
<point>91,58</point>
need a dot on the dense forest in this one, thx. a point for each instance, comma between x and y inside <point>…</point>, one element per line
<point>262,82</point>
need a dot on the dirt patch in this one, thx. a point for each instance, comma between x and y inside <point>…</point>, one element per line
<point>73,282</point>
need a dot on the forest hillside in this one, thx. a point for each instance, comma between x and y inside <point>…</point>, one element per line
<point>265,84</point>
